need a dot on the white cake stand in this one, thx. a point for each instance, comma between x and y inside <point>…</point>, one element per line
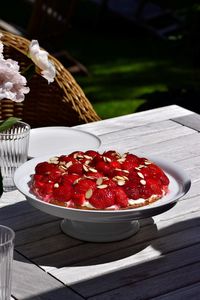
<point>105,225</point>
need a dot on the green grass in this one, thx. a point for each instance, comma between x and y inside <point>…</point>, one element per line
<point>128,67</point>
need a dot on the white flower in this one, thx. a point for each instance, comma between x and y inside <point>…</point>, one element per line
<point>12,83</point>
<point>40,59</point>
<point>1,47</point>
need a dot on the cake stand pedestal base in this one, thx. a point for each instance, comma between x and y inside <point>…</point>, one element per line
<point>99,232</point>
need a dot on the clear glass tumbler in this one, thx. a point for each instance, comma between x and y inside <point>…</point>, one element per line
<point>13,151</point>
<point>7,236</point>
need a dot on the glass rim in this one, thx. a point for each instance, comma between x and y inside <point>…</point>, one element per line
<point>27,129</point>
<point>12,235</point>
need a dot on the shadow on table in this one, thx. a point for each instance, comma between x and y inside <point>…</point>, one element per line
<point>151,253</point>
<point>40,239</point>
<point>179,250</point>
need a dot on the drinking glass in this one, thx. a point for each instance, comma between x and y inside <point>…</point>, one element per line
<point>13,151</point>
<point>7,236</point>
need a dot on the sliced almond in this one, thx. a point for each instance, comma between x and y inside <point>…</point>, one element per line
<point>77,180</point>
<point>102,186</point>
<point>53,160</point>
<point>63,167</point>
<point>99,181</point>
<point>121,182</point>
<point>68,164</point>
<point>126,171</point>
<point>147,162</point>
<point>140,175</point>
<point>121,160</point>
<point>143,182</point>
<point>106,159</point>
<point>88,194</point>
<point>85,168</point>
<point>93,170</point>
<point>137,168</point>
<point>119,177</point>
<point>75,155</point>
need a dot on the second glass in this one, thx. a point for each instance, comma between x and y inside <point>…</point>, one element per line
<point>7,236</point>
<point>13,151</point>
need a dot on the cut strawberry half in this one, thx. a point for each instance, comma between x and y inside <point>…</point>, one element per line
<point>69,177</point>
<point>131,189</point>
<point>83,185</point>
<point>103,167</point>
<point>63,192</point>
<point>44,167</point>
<point>120,197</point>
<point>91,153</point>
<point>78,199</point>
<point>76,168</point>
<point>103,198</point>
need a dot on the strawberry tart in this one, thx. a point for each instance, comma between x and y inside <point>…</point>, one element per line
<point>92,180</point>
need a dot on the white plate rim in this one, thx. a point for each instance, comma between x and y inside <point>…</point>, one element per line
<point>36,131</point>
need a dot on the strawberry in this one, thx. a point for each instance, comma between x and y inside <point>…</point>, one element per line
<point>103,167</point>
<point>103,198</point>
<point>76,168</point>
<point>109,182</point>
<point>94,174</point>
<point>154,186</point>
<point>128,165</point>
<point>120,197</point>
<point>114,164</point>
<point>75,154</point>
<point>69,177</point>
<point>112,154</point>
<point>65,158</point>
<point>42,187</point>
<point>132,158</point>
<point>44,167</point>
<point>91,153</point>
<point>83,185</point>
<point>64,192</point>
<point>78,199</point>
<point>131,189</point>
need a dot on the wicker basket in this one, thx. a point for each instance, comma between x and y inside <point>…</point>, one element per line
<point>61,103</point>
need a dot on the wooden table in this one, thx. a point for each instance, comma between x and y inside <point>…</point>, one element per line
<point>162,261</point>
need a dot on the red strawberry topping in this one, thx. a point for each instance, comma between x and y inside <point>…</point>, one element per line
<point>99,181</point>
<point>120,197</point>
<point>63,192</point>
<point>103,198</point>
<point>83,185</point>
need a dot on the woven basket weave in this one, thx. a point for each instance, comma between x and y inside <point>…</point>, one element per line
<point>61,103</point>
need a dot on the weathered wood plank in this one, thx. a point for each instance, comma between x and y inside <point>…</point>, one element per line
<point>30,282</point>
<point>136,119</point>
<point>122,257</point>
<point>138,272</point>
<point>190,292</point>
<point>180,148</point>
<point>156,285</point>
<point>140,137</point>
<point>148,265</point>
<point>191,121</point>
